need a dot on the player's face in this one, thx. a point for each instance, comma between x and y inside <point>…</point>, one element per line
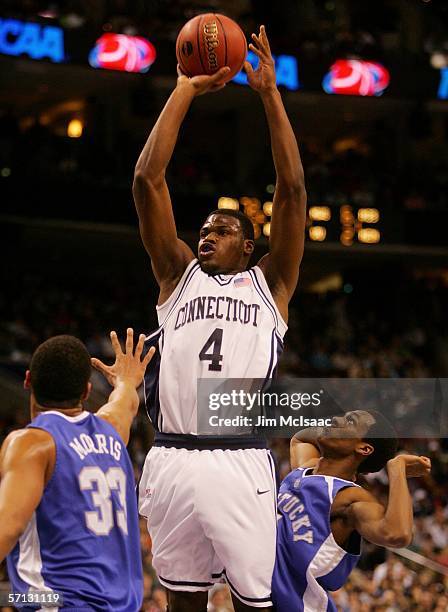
<point>346,432</point>
<point>222,248</point>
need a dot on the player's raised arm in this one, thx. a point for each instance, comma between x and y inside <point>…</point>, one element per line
<point>391,526</point>
<point>169,255</point>
<point>281,266</point>
<point>125,375</point>
<point>25,459</point>
<point>303,448</point>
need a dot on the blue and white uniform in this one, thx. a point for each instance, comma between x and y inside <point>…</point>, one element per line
<point>210,503</point>
<point>309,562</point>
<point>83,538</point>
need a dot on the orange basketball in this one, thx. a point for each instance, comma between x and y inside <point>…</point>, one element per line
<point>209,42</point>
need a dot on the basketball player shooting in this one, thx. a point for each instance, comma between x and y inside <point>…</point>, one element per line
<point>210,502</point>
<point>324,513</point>
<point>68,513</point>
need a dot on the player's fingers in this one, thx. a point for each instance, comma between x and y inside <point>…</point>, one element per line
<point>220,74</point>
<point>139,347</point>
<point>248,68</point>
<point>115,343</point>
<point>261,44</point>
<point>264,38</point>
<point>99,365</point>
<point>149,356</point>
<point>256,50</point>
<point>179,71</point>
<point>129,340</point>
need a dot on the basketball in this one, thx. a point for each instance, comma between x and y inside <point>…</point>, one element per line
<point>209,42</point>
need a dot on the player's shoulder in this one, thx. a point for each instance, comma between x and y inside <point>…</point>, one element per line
<point>353,494</point>
<point>26,443</point>
<point>293,477</point>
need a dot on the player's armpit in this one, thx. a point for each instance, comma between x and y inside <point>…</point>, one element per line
<point>369,518</point>
<point>282,278</point>
<point>26,464</point>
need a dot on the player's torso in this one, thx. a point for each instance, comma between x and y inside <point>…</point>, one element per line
<point>222,327</point>
<point>309,561</point>
<point>83,539</point>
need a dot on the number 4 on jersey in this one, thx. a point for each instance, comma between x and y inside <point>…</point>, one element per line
<point>215,357</point>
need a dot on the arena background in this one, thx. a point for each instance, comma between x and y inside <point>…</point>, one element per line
<point>372,298</point>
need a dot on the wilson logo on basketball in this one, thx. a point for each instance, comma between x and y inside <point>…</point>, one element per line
<point>211,42</point>
<point>187,48</point>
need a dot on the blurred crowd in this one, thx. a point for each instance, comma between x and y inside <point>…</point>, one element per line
<point>379,324</point>
<point>361,171</point>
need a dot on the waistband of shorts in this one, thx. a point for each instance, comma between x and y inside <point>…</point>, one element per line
<point>191,442</point>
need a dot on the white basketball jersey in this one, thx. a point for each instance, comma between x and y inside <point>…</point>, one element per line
<point>222,326</point>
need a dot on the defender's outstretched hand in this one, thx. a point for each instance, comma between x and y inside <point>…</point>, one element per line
<point>204,82</point>
<point>128,366</point>
<point>415,465</point>
<point>263,78</point>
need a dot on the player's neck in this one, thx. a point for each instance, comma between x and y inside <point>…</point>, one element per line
<point>71,412</point>
<point>339,468</point>
<point>226,272</point>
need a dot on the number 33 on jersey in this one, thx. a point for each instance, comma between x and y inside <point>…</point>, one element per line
<point>222,326</point>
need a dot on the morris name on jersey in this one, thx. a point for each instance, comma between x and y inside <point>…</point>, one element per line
<point>100,444</point>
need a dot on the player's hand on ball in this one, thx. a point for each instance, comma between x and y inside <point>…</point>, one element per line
<point>203,83</point>
<point>263,78</point>
<point>415,465</point>
<point>129,367</point>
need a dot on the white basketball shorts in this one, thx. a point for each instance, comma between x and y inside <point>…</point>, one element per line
<point>212,518</point>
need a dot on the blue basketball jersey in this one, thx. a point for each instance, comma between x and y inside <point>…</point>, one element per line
<point>83,539</point>
<point>309,562</point>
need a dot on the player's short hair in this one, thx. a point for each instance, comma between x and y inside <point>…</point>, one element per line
<point>59,371</point>
<point>245,222</point>
<point>383,437</point>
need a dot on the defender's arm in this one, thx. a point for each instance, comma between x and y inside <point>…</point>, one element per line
<point>26,458</point>
<point>125,375</point>
<point>303,448</point>
<point>391,526</point>
<point>121,409</point>
<point>169,255</point>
